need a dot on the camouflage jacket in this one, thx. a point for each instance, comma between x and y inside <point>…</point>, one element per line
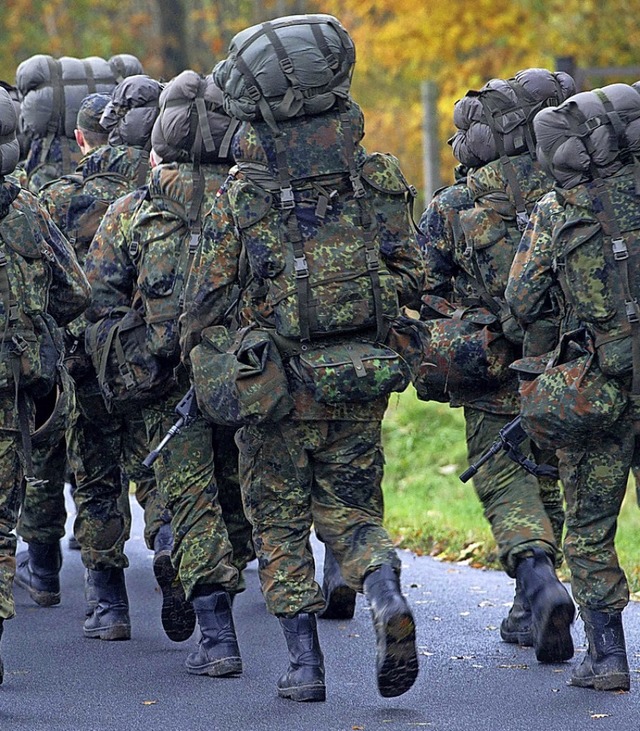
<point>448,274</point>
<point>533,291</point>
<point>217,277</point>
<point>127,165</point>
<point>111,264</point>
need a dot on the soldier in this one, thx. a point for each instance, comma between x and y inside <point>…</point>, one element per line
<point>51,260</point>
<point>105,449</point>
<point>322,463</point>
<point>141,254</point>
<point>575,258</point>
<point>469,233</point>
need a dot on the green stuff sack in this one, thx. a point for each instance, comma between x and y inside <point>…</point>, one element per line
<point>239,378</point>
<point>352,371</point>
<point>571,401</point>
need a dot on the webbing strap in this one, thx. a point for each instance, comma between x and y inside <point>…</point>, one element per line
<point>522,217</point>
<point>624,262</point>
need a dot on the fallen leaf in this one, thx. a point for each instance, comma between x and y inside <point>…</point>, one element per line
<point>465,614</point>
<point>149,703</point>
<point>514,667</point>
<point>555,690</point>
<point>491,627</point>
<point>448,469</point>
<point>600,715</point>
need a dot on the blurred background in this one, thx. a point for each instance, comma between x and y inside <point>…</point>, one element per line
<point>415,58</point>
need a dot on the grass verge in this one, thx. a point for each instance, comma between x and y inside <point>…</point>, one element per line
<point>429,511</point>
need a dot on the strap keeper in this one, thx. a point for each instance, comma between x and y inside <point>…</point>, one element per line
<point>254,93</point>
<point>619,248</point>
<point>134,248</point>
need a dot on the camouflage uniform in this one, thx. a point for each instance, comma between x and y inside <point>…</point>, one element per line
<point>199,463</point>
<point>594,475</point>
<point>43,166</point>
<point>523,512</point>
<point>68,295</point>
<point>103,447</point>
<point>320,464</point>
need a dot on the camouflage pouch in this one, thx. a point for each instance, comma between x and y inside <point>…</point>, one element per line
<point>352,371</point>
<point>239,378</point>
<point>127,371</point>
<point>465,352</point>
<point>565,398</point>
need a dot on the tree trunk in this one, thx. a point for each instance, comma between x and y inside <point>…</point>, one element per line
<point>173,37</point>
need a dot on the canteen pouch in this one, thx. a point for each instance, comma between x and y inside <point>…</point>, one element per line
<point>570,400</point>
<point>239,378</point>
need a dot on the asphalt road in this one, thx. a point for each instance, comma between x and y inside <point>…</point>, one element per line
<point>56,680</point>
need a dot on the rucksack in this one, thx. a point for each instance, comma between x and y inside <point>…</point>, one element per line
<point>597,239</point>
<point>30,342</point>
<point>136,349</point>
<point>52,90</point>
<point>496,137</point>
<point>314,221</point>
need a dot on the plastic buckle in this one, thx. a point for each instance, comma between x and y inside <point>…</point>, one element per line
<point>287,66</point>
<point>619,248</point>
<point>358,188</point>
<point>373,262</point>
<point>522,219</point>
<point>134,248</point>
<point>286,198</point>
<point>631,308</point>
<point>127,376</point>
<point>20,343</point>
<point>301,267</point>
<point>254,93</point>
<point>194,241</point>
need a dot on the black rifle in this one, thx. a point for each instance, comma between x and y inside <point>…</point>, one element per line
<point>510,437</point>
<point>187,410</point>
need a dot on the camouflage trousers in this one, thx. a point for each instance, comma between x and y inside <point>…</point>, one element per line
<point>326,473</point>
<point>196,474</point>
<point>11,495</point>
<point>523,512</point>
<point>595,477</point>
<point>102,447</point>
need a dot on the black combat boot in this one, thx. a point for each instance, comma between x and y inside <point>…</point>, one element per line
<point>340,598</point>
<point>516,626</point>
<point>177,615</point>
<point>109,619</point>
<point>304,680</point>
<point>38,572</point>
<point>552,609</point>
<point>397,660</point>
<point>218,654</point>
<point>605,665</point>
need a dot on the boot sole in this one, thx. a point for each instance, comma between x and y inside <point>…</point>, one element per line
<point>341,604</point>
<point>614,681</point>
<point>304,693</point>
<point>224,668</point>
<point>523,639</point>
<point>115,632</point>
<point>177,614</point>
<point>397,647</point>
<point>552,639</point>
<point>41,598</point>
